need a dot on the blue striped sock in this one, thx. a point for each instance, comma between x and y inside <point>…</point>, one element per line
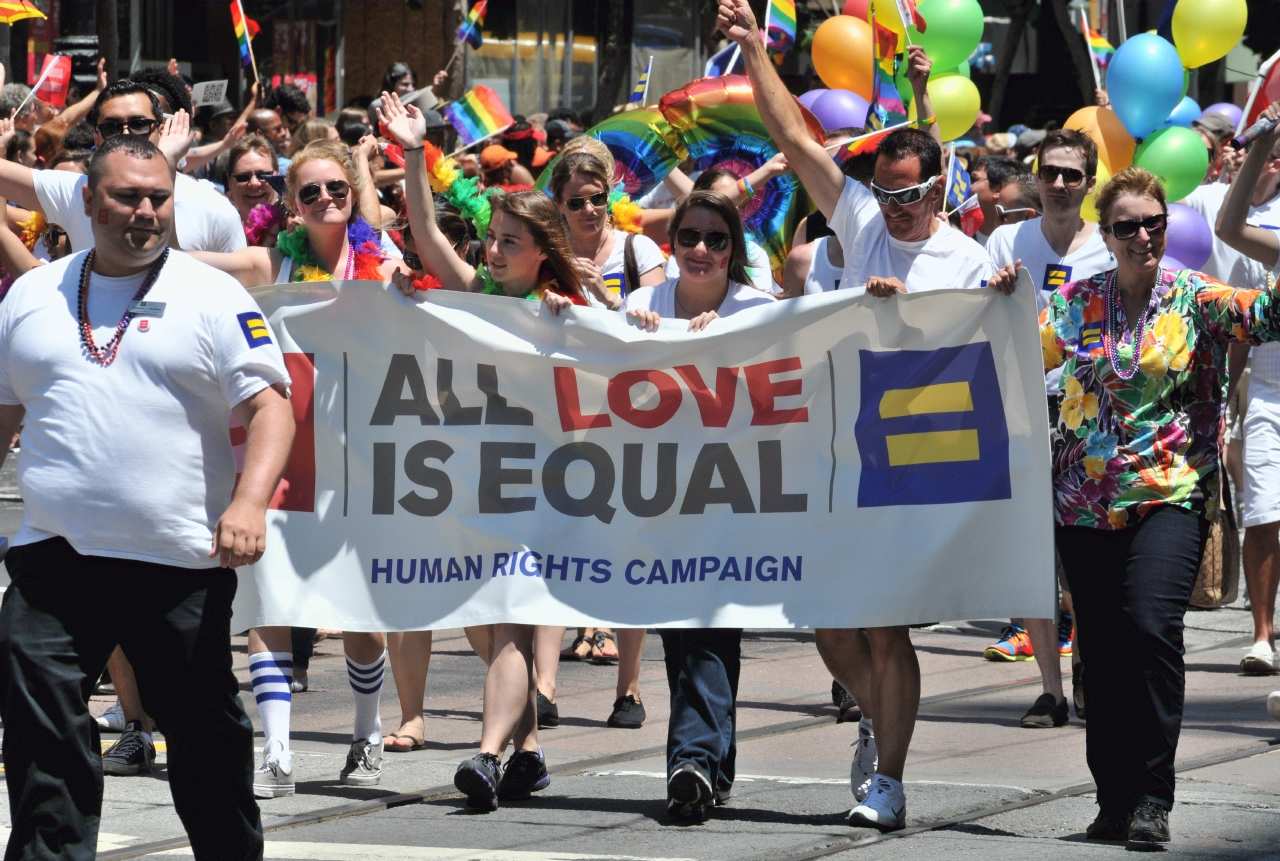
<point>271,674</point>
<point>366,684</point>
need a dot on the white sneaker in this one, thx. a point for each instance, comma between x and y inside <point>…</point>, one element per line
<point>1273,705</point>
<point>273,779</point>
<point>865,760</point>
<point>1261,660</point>
<point>885,806</point>
<point>112,720</point>
<point>364,764</point>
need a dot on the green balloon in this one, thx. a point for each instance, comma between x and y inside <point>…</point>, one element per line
<point>903,86</point>
<point>962,69</point>
<point>953,29</point>
<point>1178,158</point>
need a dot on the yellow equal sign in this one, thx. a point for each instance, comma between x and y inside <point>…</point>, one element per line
<point>911,449</point>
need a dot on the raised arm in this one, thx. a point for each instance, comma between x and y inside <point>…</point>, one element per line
<point>1262,245</point>
<point>16,182</point>
<point>77,112</point>
<point>199,156</point>
<point>370,206</point>
<point>409,128</point>
<point>252,266</point>
<point>14,254</point>
<point>779,110</point>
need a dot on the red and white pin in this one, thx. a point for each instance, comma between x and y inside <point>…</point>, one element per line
<point>144,325</point>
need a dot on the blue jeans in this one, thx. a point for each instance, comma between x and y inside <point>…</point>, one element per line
<point>702,673</point>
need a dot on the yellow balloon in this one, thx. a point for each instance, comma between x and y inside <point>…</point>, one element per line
<point>1206,30</point>
<point>956,103</point>
<point>1089,209</point>
<point>841,54</point>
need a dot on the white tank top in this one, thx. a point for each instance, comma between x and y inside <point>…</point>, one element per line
<point>822,276</point>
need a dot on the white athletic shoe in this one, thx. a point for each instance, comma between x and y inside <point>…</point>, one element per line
<point>364,764</point>
<point>1261,660</point>
<point>112,720</point>
<point>272,779</point>
<point>865,760</point>
<point>1273,705</point>
<point>885,806</point>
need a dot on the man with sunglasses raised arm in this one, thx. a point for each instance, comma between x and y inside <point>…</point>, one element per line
<point>203,219</point>
<point>893,242</point>
<point>1058,248</point>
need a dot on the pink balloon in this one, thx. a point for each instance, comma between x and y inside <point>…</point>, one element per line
<point>856,8</point>
<point>1189,237</point>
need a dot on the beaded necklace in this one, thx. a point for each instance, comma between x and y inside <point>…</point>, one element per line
<point>106,354</point>
<point>1111,339</point>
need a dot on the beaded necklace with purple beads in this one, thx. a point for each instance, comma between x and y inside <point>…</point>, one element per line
<point>106,354</point>
<point>1111,339</point>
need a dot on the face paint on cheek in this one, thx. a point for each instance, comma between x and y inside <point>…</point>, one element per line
<point>724,264</point>
<point>102,216</point>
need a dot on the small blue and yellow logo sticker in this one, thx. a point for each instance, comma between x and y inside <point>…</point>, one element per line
<point>1091,337</point>
<point>1055,275</point>
<point>931,429</point>
<point>255,328</point>
<point>613,283</point>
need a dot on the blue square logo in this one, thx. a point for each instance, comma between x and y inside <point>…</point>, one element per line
<point>1055,275</point>
<point>931,428</point>
<point>255,328</point>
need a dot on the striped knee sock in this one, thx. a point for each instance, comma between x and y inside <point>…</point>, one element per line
<point>271,673</point>
<point>366,684</point>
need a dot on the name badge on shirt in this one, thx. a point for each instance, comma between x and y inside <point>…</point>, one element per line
<point>143,308</point>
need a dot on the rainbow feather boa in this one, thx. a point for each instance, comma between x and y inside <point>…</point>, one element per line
<point>462,192</point>
<point>31,230</point>
<point>625,211</point>
<point>363,240</point>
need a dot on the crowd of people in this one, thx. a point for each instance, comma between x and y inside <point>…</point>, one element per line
<point>116,203</point>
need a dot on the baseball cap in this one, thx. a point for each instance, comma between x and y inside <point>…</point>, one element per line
<point>1215,125</point>
<point>495,156</point>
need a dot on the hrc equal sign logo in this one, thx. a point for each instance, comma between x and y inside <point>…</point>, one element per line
<point>931,428</point>
<point>1055,275</point>
<point>1091,337</point>
<point>613,283</point>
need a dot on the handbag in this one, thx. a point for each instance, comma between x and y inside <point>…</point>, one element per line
<point>1218,582</point>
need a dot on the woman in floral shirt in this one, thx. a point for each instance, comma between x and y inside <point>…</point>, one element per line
<point>1135,482</point>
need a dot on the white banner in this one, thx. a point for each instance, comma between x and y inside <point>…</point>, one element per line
<point>829,461</point>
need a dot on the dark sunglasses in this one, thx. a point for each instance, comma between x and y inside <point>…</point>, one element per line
<point>309,194</point>
<point>1071,177</point>
<point>1155,225</point>
<point>52,237</point>
<point>903,196</point>
<point>413,261</point>
<point>716,240</point>
<point>575,204</point>
<point>133,126</point>
<point>242,178</point>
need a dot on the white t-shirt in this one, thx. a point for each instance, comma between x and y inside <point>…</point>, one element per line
<point>133,460</point>
<point>202,219</point>
<point>822,275</point>
<point>662,298</point>
<point>757,267</point>
<point>648,257</point>
<point>1264,360</point>
<point>983,238</point>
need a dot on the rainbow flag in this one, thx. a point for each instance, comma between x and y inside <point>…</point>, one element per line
<point>478,115</point>
<point>246,28</point>
<point>1100,47</point>
<point>641,92</point>
<point>780,24</point>
<point>469,30</point>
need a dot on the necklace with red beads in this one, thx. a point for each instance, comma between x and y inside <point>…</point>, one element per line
<point>106,354</point>
<point>1114,332</point>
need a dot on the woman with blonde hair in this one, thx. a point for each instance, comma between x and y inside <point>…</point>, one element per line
<point>314,129</point>
<point>333,241</point>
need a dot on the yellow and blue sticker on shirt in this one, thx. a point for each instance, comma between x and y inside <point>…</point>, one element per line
<point>1055,275</point>
<point>931,428</point>
<point>255,328</point>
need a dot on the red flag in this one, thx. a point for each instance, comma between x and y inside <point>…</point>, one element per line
<point>1268,92</point>
<point>886,41</point>
<point>55,76</point>
<point>971,217</point>
<point>910,14</point>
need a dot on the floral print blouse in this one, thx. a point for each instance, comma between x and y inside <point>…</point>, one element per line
<point>1122,447</point>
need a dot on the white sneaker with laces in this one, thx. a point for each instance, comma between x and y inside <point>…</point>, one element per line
<point>112,720</point>
<point>273,779</point>
<point>1261,660</point>
<point>1273,704</point>
<point>364,764</point>
<point>865,760</point>
<point>885,806</point>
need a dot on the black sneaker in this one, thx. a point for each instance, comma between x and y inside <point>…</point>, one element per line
<point>628,713</point>
<point>1047,712</point>
<point>524,774</point>
<point>1077,689</point>
<point>548,714</point>
<point>131,754</point>
<point>1150,824</point>
<point>689,793</point>
<point>478,779</point>
<point>847,710</point>
<point>1110,825</point>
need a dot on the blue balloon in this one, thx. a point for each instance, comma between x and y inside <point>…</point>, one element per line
<point>1184,114</point>
<point>1144,81</point>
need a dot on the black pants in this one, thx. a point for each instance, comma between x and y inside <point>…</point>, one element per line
<point>303,641</point>
<point>62,616</point>
<point>703,665</point>
<point>1131,588</point>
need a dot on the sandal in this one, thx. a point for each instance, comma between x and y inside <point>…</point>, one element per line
<point>572,653</point>
<point>399,748</point>
<point>598,654</point>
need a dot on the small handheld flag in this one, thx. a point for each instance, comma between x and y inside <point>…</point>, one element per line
<point>1100,47</point>
<point>780,24</point>
<point>971,217</point>
<point>640,94</point>
<point>910,15</point>
<point>469,30</point>
<point>724,61</point>
<point>478,115</point>
<point>54,79</point>
<point>246,28</point>
<point>959,186</point>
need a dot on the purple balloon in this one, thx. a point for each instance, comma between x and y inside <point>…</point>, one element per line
<point>1230,111</point>
<point>1189,237</point>
<point>840,109</point>
<point>1173,263</point>
<point>812,96</point>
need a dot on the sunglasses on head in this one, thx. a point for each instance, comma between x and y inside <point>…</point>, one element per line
<point>903,196</point>
<point>1071,177</point>
<point>133,126</point>
<point>338,190</point>
<point>575,204</point>
<point>716,240</point>
<point>1127,229</point>
<point>1002,213</point>
<point>413,261</point>
<point>242,178</point>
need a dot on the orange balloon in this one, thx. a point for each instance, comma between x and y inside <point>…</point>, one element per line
<point>1115,144</point>
<point>841,54</point>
